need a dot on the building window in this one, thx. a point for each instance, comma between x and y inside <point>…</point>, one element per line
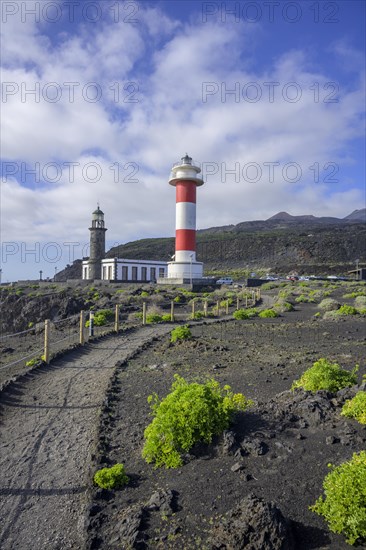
<point>134,273</point>
<point>85,272</point>
<point>104,272</point>
<point>161,272</point>
<point>110,277</point>
<point>124,273</point>
<point>152,273</point>
<point>144,273</point>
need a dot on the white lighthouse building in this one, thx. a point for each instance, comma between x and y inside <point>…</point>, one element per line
<point>184,177</point>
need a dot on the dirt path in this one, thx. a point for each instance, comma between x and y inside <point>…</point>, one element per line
<point>48,437</point>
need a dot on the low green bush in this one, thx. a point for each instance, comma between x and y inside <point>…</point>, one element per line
<point>34,362</point>
<point>192,412</point>
<point>347,310</point>
<point>154,318</point>
<point>303,299</point>
<point>283,306</point>
<point>180,333</point>
<point>166,317</point>
<point>356,408</point>
<point>240,314</point>
<point>361,293</point>
<point>324,375</point>
<point>360,302</point>
<point>197,315</point>
<point>144,294</point>
<point>268,313</point>
<point>102,317</point>
<point>111,478</point>
<point>344,505</point>
<point>329,304</point>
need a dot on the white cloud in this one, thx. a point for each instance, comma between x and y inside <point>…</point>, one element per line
<point>169,61</point>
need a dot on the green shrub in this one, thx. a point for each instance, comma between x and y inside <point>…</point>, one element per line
<point>178,299</point>
<point>166,317</point>
<point>240,314</point>
<point>347,310</point>
<point>268,313</point>
<point>324,375</point>
<point>360,302</point>
<point>269,286</point>
<point>303,299</point>
<point>329,304</point>
<point>197,315</point>
<point>356,408</point>
<point>361,294</point>
<point>190,413</point>
<point>33,362</point>
<point>111,478</point>
<point>154,318</point>
<point>144,294</point>
<point>283,306</point>
<point>102,317</point>
<point>344,506</point>
<point>180,333</point>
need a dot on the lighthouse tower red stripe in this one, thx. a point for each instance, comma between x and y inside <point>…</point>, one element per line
<point>186,191</point>
<point>185,234</point>
<point>185,239</point>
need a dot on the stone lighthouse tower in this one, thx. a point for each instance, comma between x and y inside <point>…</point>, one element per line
<point>97,244</point>
<point>184,177</point>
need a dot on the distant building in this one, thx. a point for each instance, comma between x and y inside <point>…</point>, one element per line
<point>120,269</point>
<point>93,269</point>
<point>116,269</point>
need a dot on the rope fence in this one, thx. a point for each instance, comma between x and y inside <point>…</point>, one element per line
<point>39,344</point>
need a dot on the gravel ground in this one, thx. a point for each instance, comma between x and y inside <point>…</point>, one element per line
<point>282,445</point>
<point>49,428</point>
<point>89,409</point>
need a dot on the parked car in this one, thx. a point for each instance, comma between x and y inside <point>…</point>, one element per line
<point>225,281</point>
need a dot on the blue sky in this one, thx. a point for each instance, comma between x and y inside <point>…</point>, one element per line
<point>99,99</point>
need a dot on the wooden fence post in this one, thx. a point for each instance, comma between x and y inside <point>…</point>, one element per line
<point>172,311</point>
<point>237,302</point>
<point>144,313</point>
<point>116,319</point>
<point>218,308</point>
<point>227,307</point>
<point>82,325</point>
<point>246,300</point>
<point>193,308</point>
<point>205,308</point>
<point>47,341</point>
<point>91,323</point>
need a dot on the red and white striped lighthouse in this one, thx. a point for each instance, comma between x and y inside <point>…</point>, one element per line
<point>184,178</point>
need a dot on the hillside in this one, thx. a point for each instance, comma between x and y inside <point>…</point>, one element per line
<point>280,244</point>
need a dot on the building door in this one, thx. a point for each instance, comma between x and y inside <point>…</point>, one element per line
<point>124,273</point>
<point>134,273</point>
